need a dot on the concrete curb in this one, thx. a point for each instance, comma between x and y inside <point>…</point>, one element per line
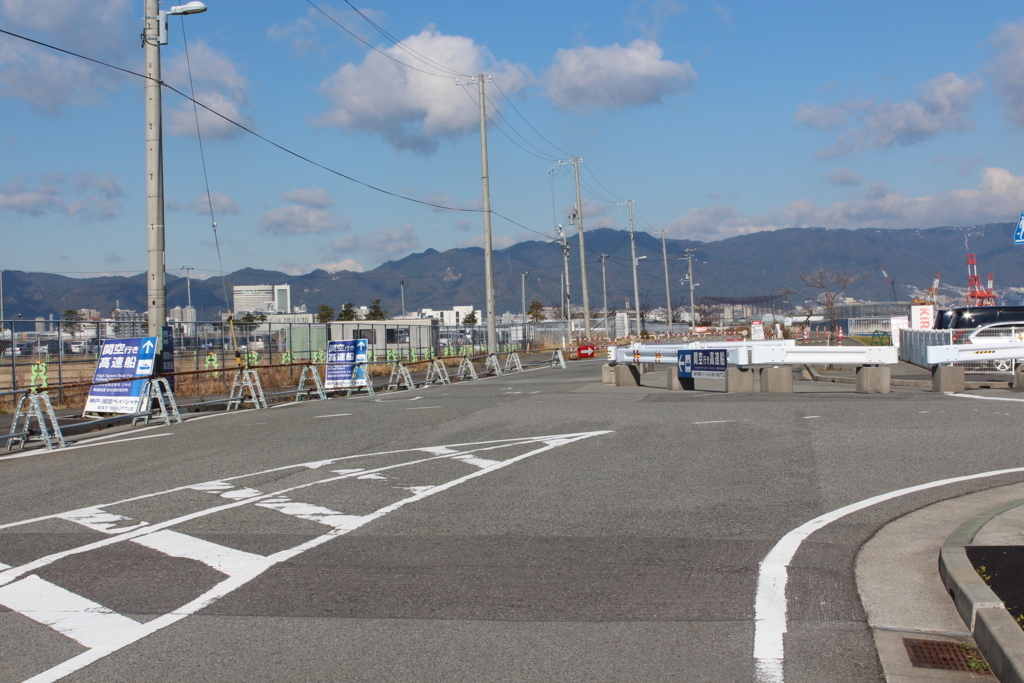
<point>1000,640</point>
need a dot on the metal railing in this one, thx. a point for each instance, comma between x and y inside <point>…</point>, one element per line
<point>914,344</point>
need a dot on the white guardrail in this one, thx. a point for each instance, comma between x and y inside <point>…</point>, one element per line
<point>772,352</point>
<point>990,350</point>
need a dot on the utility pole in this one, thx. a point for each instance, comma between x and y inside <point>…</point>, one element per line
<point>2,300</point>
<point>668,292</point>
<point>401,284</point>
<point>522,276</point>
<point>583,252</point>
<point>604,289</point>
<point>153,36</point>
<point>485,182</point>
<point>565,259</point>
<point>636,284</point>
<point>188,282</point>
<point>689,276</point>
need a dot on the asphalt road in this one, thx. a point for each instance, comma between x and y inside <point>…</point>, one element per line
<point>540,527</point>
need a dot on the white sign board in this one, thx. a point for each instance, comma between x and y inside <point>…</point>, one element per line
<point>922,317</point>
<point>756,330</point>
<point>898,323</point>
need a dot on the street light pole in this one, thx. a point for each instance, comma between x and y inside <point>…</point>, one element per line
<point>604,289</point>
<point>522,276</point>
<point>154,35</point>
<point>583,254</point>
<point>636,284</point>
<point>668,292</point>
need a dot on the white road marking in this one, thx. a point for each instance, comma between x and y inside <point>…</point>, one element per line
<point>770,608</point>
<point>392,400</point>
<point>241,494</point>
<point>440,450</point>
<point>256,568</point>
<point>712,422</point>
<point>42,451</point>
<point>423,408</point>
<point>335,415</point>
<point>313,513</point>
<point>985,398</point>
<point>811,417</point>
<point>100,520</point>
<point>372,476</point>
<point>220,557</point>
<point>473,460</point>
<point>78,618</point>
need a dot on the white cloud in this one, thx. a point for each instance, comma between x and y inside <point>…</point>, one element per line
<point>222,204</point>
<point>218,85</point>
<point>306,214</point>
<point>412,110</point>
<point>304,33</point>
<point>89,197</point>
<point>331,267</point>
<point>1007,69</point>
<point>48,81</point>
<point>999,196</point>
<point>942,105</point>
<point>614,76</point>
<point>844,176</point>
<point>651,15</point>
<point>497,242</point>
<point>382,244</point>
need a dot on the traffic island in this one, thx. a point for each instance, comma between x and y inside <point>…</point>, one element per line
<point>777,380</point>
<point>948,379</point>
<point>873,380</point>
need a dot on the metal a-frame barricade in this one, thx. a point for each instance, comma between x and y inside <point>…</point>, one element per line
<point>512,363</point>
<point>466,369</point>
<point>309,373</point>
<point>247,381</point>
<point>158,390</point>
<point>400,375</point>
<point>437,373</point>
<point>493,365</point>
<point>359,372</point>
<point>38,407</point>
<point>557,359</point>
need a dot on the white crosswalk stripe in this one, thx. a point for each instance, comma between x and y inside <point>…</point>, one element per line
<point>220,557</point>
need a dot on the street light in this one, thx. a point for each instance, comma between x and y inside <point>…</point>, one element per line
<point>154,35</point>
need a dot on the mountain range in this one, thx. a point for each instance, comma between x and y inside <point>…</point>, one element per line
<point>752,265</point>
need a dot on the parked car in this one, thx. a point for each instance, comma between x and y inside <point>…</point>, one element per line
<point>1010,332</point>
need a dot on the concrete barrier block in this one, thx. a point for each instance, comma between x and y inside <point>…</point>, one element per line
<point>948,378</point>
<point>873,380</point>
<point>673,382</point>
<point>777,380</point>
<point>1018,376</point>
<point>739,380</point>
<point>608,374</point>
<point>626,375</point>
<point>1001,642</point>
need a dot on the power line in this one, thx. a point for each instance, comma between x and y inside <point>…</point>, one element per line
<point>516,109</point>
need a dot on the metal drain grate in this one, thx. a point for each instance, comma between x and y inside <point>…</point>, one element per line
<point>942,654</point>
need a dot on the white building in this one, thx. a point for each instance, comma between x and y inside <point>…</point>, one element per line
<point>455,316</point>
<point>262,298</point>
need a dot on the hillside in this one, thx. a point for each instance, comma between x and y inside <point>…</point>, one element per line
<point>747,265</point>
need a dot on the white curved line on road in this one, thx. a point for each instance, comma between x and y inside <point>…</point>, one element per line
<point>770,617</point>
<point>42,451</point>
<point>985,398</point>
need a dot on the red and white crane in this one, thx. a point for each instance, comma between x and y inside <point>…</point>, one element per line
<point>978,295</point>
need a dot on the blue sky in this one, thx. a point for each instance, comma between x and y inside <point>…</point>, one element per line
<point>717,118</point>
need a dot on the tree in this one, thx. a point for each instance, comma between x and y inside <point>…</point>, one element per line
<point>348,312</point>
<point>826,286</point>
<point>376,313</point>
<point>250,318</point>
<point>73,317</point>
<point>536,311</point>
<point>470,319</point>
<point>324,313</point>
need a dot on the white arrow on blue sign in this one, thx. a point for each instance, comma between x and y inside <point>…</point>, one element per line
<point>1018,234</point>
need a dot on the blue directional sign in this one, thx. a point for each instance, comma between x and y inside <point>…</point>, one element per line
<point>342,357</point>
<point>121,359</point>
<point>703,363</point>
<point>1018,234</point>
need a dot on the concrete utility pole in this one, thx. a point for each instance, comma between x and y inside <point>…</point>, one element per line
<point>689,276</point>
<point>153,36</point>
<point>583,250</point>
<point>401,284</point>
<point>522,276</point>
<point>636,284</point>
<point>2,298</point>
<point>604,289</point>
<point>188,282</point>
<point>668,292</point>
<point>567,312</point>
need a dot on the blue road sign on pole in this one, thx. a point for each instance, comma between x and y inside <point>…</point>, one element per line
<point>1018,234</point>
<point>121,359</point>
<point>703,363</point>
<point>342,357</point>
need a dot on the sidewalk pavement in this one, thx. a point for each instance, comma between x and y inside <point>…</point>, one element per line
<point>904,596</point>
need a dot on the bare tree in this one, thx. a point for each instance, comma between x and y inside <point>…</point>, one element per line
<point>826,286</point>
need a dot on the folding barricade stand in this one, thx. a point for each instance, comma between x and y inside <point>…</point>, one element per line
<point>360,373</point>
<point>466,369</point>
<point>437,372</point>
<point>38,407</point>
<point>157,389</point>
<point>309,372</point>
<point>246,381</point>
<point>512,363</point>
<point>557,359</point>
<point>400,375</point>
<point>493,365</point>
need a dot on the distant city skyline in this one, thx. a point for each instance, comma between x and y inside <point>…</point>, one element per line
<point>718,118</point>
